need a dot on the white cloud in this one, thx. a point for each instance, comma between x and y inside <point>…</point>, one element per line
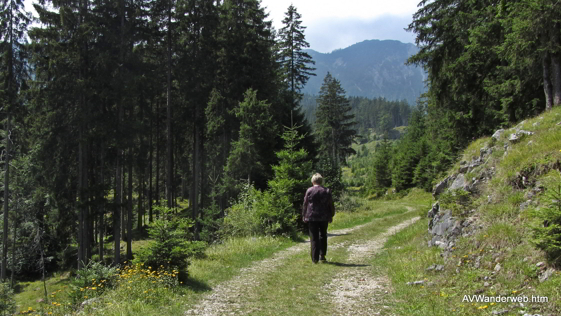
<point>331,24</point>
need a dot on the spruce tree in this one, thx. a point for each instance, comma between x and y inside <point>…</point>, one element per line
<point>294,61</point>
<point>381,165</point>
<point>334,123</point>
<point>246,159</point>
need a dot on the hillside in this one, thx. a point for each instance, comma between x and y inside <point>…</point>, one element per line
<point>492,232</point>
<point>371,69</point>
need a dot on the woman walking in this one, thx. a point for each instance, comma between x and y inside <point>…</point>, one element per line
<point>318,211</point>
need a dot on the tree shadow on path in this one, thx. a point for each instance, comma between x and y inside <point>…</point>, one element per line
<point>347,265</point>
<point>197,286</point>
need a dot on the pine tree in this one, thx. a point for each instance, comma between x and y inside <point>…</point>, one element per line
<point>14,21</point>
<point>334,124</point>
<point>256,127</point>
<point>381,169</point>
<point>294,61</point>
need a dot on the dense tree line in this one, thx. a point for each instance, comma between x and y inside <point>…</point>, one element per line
<point>378,115</point>
<point>116,109</point>
<point>489,63</point>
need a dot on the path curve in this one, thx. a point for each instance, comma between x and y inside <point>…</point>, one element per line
<point>227,297</point>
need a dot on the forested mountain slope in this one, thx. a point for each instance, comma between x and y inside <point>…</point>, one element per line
<point>372,69</point>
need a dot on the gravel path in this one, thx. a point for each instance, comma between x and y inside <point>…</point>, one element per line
<point>355,291</point>
<point>228,297</point>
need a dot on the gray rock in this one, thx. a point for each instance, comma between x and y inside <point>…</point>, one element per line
<point>539,264</point>
<point>430,268</point>
<point>90,301</point>
<point>536,124</point>
<point>525,205</point>
<point>443,224</point>
<point>498,134</point>
<point>497,267</point>
<point>513,137</point>
<point>421,282</point>
<point>468,221</point>
<point>434,240</point>
<point>459,182</point>
<point>548,273</point>
<point>456,229</point>
<point>477,262</point>
<point>486,284</point>
<point>520,132</point>
<point>442,185</point>
<point>502,311</point>
<point>440,244</point>
<point>438,268</point>
<point>434,210</point>
<point>484,152</point>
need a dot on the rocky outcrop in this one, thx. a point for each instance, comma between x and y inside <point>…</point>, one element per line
<point>442,186</point>
<point>443,227</point>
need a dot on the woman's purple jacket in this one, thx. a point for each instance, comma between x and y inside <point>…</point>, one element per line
<point>318,205</point>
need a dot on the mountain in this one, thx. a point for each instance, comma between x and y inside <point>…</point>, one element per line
<point>372,69</point>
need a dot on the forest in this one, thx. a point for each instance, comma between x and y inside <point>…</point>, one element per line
<point>124,117</point>
<point>183,121</point>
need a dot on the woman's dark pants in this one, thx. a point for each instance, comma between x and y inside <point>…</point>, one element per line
<point>318,239</point>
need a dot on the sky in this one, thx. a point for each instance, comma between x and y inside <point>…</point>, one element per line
<point>334,24</point>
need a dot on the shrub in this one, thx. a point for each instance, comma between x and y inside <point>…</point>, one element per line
<point>170,246</point>
<point>91,281</point>
<point>458,201</point>
<point>347,203</point>
<point>7,302</point>
<point>547,228</point>
<point>260,213</point>
<point>241,218</point>
<point>211,223</point>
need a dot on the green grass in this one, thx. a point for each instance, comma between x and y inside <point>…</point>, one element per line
<point>293,288</point>
<point>32,294</point>
<point>222,262</point>
<point>503,237</point>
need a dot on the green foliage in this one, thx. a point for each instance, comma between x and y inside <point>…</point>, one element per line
<point>170,245</point>
<point>458,201</point>
<point>294,61</point>
<point>547,227</point>
<point>211,223</point>
<point>259,213</point>
<point>7,302</point>
<point>380,177</point>
<point>92,273</point>
<point>332,175</point>
<point>335,129</point>
<point>241,218</point>
<point>291,179</point>
<point>348,203</point>
<point>247,159</point>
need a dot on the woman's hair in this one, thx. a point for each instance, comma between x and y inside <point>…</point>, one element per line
<point>317,178</point>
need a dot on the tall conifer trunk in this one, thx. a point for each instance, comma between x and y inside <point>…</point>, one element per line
<point>169,167</point>
<point>101,221</point>
<point>129,209</point>
<point>556,64</point>
<point>6,199</point>
<point>547,86</point>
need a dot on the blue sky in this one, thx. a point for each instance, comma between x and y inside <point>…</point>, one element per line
<point>333,24</point>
